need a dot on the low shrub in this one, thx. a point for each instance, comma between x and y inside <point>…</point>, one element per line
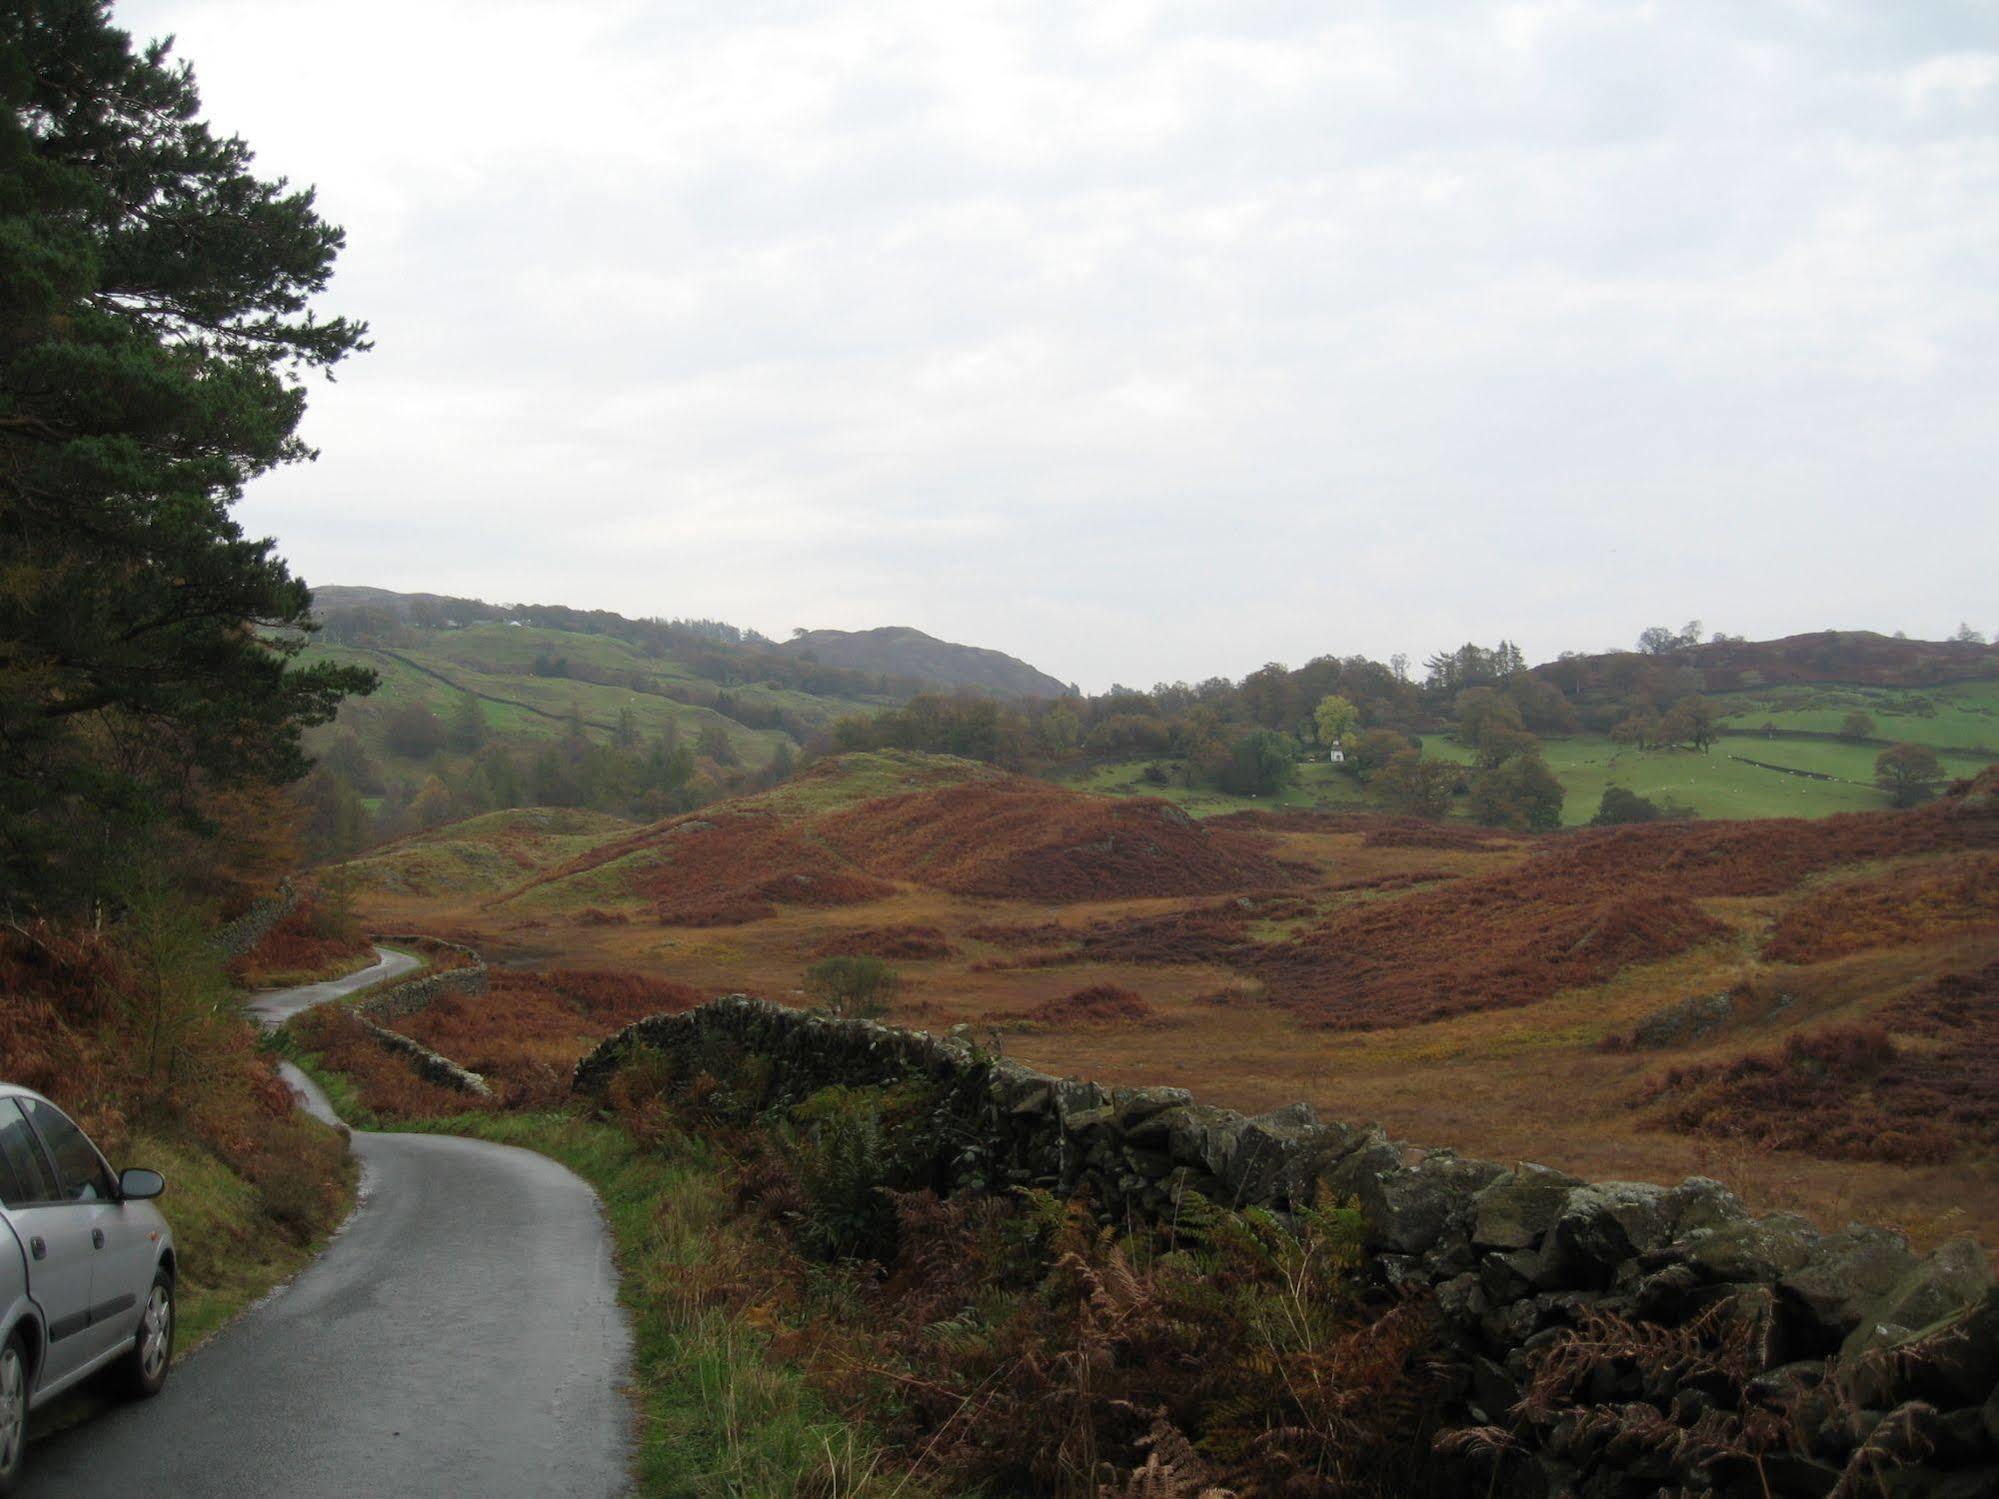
<point>1100,1004</point>
<point>1844,1093</point>
<point>860,988</point>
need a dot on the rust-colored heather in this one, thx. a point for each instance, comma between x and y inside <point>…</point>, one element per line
<point>905,942</point>
<point>1923,903</point>
<point>76,1026</point>
<point>1020,934</point>
<point>1849,1092</point>
<point>304,943</point>
<point>725,866</point>
<point>1582,906</point>
<point>1100,1004</point>
<point>1019,839</point>
<point>1376,829</point>
<point>1384,883</point>
<point>385,1084</point>
<point>527,1031</point>
<point>1476,945</point>
<point>1209,934</point>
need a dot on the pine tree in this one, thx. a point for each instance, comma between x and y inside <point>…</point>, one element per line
<point>154,337</point>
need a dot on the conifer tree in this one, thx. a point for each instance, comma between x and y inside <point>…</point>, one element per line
<point>155,333</point>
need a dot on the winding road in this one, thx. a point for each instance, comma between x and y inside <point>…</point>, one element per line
<point>460,1336</point>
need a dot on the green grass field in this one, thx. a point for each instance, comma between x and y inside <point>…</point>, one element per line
<point>1715,784</point>
<point>495,661</point>
<point>1957,716</point>
<point>515,718</point>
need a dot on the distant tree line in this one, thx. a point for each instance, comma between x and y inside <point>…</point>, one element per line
<point>441,769</point>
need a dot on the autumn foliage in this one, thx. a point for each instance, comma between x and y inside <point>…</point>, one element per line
<point>1100,1004</point>
<point>903,942</point>
<point>1578,909</point>
<point>525,1033</point>
<point>1025,840</point>
<point>309,942</point>
<point>86,1023</point>
<point>1921,903</point>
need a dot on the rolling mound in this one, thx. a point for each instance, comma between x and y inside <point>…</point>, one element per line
<point>1862,657</point>
<point>1928,902</point>
<point>481,854</point>
<point>1582,906</point>
<point>1018,839</point>
<point>851,830</point>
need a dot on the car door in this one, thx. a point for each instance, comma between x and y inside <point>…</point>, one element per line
<point>56,1235</point>
<point>90,1190</point>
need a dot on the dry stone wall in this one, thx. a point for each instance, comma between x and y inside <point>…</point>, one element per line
<point>247,930</point>
<point>414,995</point>
<point>1861,1343</point>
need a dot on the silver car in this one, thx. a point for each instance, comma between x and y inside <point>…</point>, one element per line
<point>86,1268</point>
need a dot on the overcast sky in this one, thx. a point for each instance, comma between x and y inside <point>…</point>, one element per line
<point>1149,340</point>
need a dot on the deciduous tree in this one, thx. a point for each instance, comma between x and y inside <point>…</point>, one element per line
<point>1375,749</point>
<point>1622,805</point>
<point>415,731</point>
<point>1908,772</point>
<point>1415,786</point>
<point>1521,793</point>
<point>1260,762</point>
<point>1334,719</point>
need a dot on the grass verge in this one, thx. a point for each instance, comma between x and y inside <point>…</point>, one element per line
<point>720,1413</point>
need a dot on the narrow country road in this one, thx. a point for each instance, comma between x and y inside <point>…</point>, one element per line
<point>461,1336</point>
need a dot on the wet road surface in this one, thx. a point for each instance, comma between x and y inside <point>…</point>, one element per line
<point>460,1336</point>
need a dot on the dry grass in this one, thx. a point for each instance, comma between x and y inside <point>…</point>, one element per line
<point>1498,1052</point>
<point>1914,904</point>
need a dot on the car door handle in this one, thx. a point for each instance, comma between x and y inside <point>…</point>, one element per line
<point>37,1248</point>
<point>97,1238</point>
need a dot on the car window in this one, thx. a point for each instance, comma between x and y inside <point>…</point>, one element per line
<point>25,1176</point>
<point>79,1168</point>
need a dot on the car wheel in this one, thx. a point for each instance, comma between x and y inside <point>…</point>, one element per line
<point>153,1349</point>
<point>13,1411</point>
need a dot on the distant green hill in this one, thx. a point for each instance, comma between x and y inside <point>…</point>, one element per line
<point>901,651</point>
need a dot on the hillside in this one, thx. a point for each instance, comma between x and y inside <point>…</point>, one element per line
<point>1854,657</point>
<point>861,828</point>
<point>1445,979</point>
<point>903,652</point>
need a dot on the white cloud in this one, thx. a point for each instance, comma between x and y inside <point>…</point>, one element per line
<point>1148,339</point>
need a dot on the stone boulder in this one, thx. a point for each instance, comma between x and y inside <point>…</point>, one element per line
<point>1279,1155</point>
<point>1514,1211</point>
<point>1953,1278</point>
<point>1408,1209</point>
<point>1846,1273</point>
<point>1599,1226</point>
<point>1760,1249</point>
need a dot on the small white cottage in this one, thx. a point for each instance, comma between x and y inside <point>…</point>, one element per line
<point>1338,755</point>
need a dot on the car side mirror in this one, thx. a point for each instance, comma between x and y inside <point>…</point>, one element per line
<point>136,1183</point>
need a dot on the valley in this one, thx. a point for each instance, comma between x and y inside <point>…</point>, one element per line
<point>1446,980</point>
